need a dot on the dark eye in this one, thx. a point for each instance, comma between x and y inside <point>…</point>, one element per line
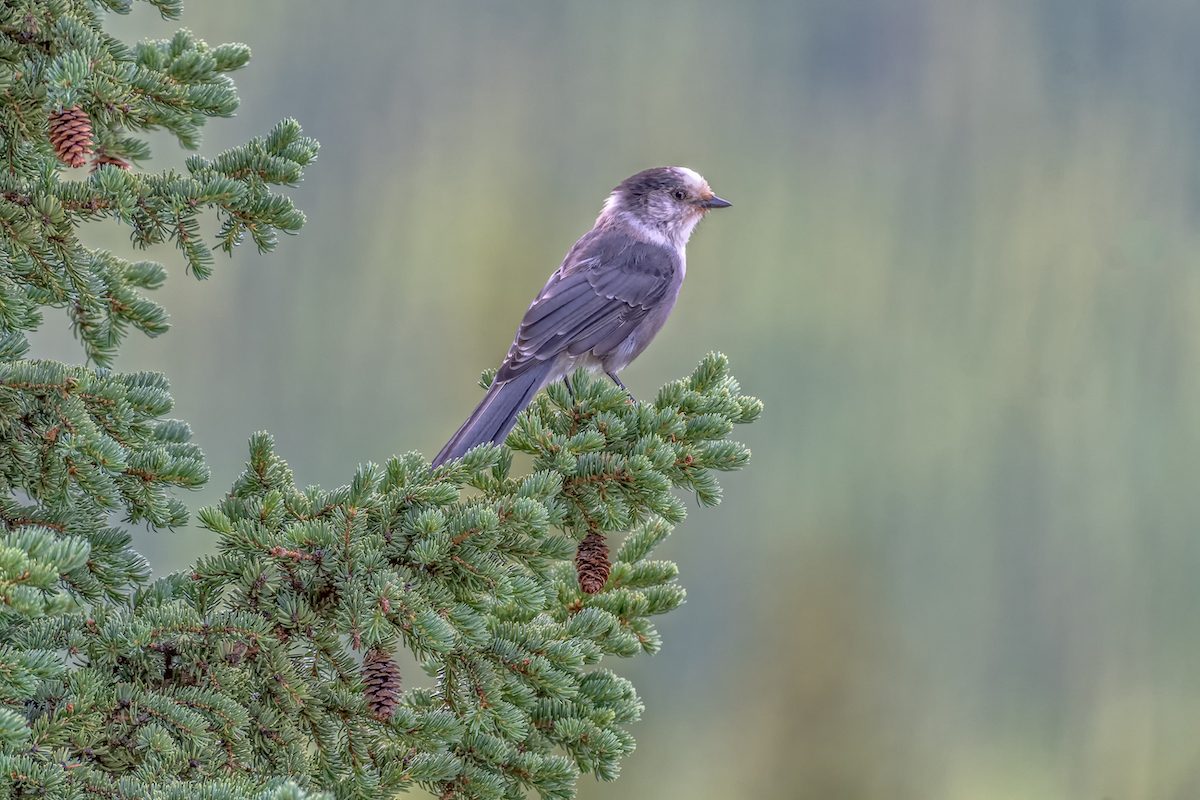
<point>679,194</point>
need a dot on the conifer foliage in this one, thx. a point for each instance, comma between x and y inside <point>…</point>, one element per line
<point>271,669</point>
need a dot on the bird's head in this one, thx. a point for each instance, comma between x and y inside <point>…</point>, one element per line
<point>666,200</point>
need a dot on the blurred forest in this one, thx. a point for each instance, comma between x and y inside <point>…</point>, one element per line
<point>959,270</point>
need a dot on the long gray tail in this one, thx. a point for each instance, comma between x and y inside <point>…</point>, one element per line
<point>496,414</point>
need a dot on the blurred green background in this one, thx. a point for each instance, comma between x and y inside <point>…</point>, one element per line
<point>959,270</point>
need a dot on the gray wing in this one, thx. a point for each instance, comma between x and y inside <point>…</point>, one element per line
<point>604,289</point>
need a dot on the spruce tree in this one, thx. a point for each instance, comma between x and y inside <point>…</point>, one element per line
<point>269,669</point>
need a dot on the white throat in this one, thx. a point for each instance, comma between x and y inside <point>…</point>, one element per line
<point>675,237</point>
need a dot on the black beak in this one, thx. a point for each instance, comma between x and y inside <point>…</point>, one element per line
<point>716,202</point>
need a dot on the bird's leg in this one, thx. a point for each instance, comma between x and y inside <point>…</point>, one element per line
<point>570,388</point>
<point>613,374</point>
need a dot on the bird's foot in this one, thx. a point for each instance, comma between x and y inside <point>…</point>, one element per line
<point>618,382</point>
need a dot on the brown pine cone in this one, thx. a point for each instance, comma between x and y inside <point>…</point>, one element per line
<point>591,562</point>
<point>381,683</point>
<point>104,157</point>
<point>71,136</point>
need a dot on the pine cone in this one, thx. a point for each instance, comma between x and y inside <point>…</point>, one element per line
<point>104,157</point>
<point>591,562</point>
<point>71,135</point>
<point>381,681</point>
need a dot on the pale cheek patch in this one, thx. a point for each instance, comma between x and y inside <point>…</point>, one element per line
<point>661,208</point>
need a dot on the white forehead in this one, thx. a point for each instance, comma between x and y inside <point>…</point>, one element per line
<point>694,178</point>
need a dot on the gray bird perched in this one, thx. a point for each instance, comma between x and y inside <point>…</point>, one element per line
<point>604,304</point>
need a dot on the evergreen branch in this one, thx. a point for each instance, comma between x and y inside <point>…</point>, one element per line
<point>509,632</point>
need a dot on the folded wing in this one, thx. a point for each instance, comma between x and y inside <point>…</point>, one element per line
<point>593,302</point>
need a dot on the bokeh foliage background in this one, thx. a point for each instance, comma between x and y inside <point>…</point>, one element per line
<point>960,270</point>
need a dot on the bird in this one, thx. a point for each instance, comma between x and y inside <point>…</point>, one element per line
<point>604,304</point>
